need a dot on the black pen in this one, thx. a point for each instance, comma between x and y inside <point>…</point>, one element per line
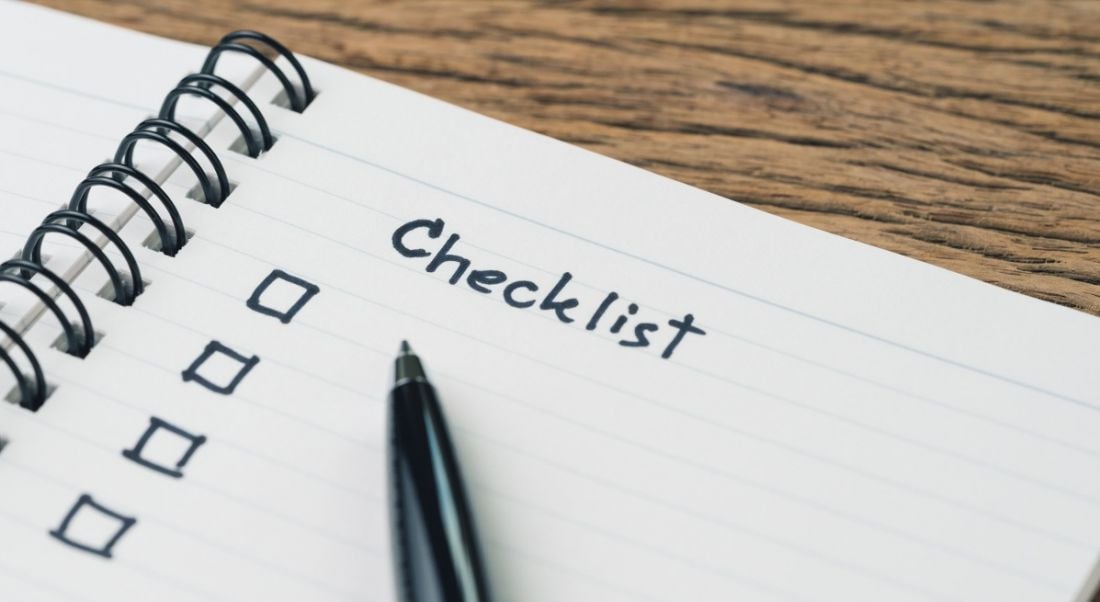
<point>436,557</point>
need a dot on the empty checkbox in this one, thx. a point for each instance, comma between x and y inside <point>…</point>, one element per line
<point>282,296</point>
<point>165,448</point>
<point>219,368</point>
<point>92,527</point>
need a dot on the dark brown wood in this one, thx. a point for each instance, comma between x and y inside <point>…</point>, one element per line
<point>962,133</point>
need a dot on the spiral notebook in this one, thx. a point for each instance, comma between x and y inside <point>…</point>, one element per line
<point>656,393</point>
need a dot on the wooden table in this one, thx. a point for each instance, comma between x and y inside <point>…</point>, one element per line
<point>962,133</point>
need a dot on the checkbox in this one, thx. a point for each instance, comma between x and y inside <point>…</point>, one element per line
<point>219,368</point>
<point>165,448</point>
<point>92,527</point>
<point>282,296</point>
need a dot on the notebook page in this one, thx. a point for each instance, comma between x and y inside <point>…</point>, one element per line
<point>853,421</point>
<point>814,444</point>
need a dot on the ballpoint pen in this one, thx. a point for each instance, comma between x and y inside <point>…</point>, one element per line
<point>436,557</point>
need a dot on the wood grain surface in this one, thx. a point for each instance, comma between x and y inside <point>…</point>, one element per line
<point>962,133</point>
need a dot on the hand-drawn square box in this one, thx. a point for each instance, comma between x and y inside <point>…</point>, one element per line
<point>282,296</point>
<point>165,448</point>
<point>219,368</point>
<point>92,527</point>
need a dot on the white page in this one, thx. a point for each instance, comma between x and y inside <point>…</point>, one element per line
<point>854,425</point>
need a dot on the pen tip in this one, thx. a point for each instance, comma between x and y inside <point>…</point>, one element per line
<point>407,366</point>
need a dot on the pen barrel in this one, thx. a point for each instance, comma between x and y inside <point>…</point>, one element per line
<point>436,553</point>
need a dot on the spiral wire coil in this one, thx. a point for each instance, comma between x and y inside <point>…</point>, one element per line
<point>121,174</point>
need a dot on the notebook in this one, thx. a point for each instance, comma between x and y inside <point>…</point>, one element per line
<point>655,393</point>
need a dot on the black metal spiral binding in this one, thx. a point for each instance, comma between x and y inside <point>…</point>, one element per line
<point>77,342</point>
<point>206,80</point>
<point>229,44</point>
<point>125,155</point>
<point>170,242</point>
<point>123,295</point>
<point>31,395</point>
<point>119,175</point>
<point>168,111</point>
<point>25,390</point>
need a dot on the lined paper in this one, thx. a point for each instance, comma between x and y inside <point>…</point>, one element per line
<point>853,424</point>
